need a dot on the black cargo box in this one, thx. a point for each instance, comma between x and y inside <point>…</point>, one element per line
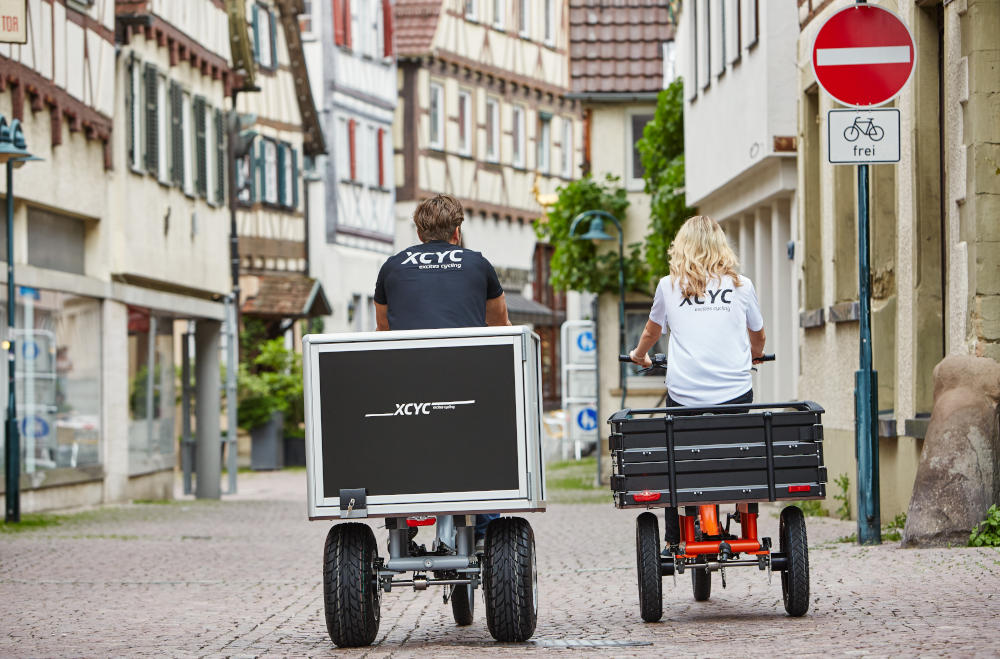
<point>694,456</point>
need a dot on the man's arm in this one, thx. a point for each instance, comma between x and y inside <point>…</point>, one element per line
<point>381,317</point>
<point>756,343</point>
<point>496,311</point>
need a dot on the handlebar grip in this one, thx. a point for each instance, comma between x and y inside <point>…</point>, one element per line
<point>766,358</point>
<point>624,358</point>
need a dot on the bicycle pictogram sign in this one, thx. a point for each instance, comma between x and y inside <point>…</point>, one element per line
<point>866,127</point>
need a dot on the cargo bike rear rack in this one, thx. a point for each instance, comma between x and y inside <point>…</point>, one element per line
<point>689,460</point>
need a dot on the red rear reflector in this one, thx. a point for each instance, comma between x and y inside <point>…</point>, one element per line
<point>646,495</point>
<point>420,521</point>
<point>798,488</point>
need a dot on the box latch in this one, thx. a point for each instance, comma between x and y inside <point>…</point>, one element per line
<point>353,503</point>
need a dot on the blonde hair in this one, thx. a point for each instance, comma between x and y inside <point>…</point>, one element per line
<point>700,253</point>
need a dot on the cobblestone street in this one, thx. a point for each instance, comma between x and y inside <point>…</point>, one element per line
<point>242,577</point>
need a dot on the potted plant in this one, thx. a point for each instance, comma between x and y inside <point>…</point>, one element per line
<point>268,386</point>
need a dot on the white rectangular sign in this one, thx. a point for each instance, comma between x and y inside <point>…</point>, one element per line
<point>861,137</point>
<point>13,21</point>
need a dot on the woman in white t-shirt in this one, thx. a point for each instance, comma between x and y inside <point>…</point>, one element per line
<point>716,330</point>
<point>712,314</point>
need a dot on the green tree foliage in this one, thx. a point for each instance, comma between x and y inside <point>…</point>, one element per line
<point>577,264</point>
<point>271,382</point>
<point>662,151</point>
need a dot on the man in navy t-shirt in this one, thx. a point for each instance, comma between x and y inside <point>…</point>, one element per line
<point>439,284</point>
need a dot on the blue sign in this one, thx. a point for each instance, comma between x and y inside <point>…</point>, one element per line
<point>587,419</point>
<point>30,350</point>
<point>29,292</point>
<point>585,341</point>
<point>36,426</point>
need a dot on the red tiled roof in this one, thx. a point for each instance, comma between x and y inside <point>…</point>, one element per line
<point>415,24</point>
<point>617,45</point>
<point>289,295</point>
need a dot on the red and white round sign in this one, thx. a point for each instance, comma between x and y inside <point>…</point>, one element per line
<point>863,55</point>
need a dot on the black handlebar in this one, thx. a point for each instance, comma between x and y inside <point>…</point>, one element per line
<point>660,360</point>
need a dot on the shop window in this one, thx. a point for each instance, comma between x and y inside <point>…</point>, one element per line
<point>57,340</point>
<point>151,396</point>
<point>56,241</point>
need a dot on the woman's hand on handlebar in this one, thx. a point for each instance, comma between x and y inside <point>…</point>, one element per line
<point>644,361</point>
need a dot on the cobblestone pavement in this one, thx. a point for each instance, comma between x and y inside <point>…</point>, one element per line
<point>243,577</point>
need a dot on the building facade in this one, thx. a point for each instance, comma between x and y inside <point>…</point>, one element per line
<point>740,166</point>
<point>484,115</point>
<point>119,234</point>
<point>350,50</point>
<point>284,135</point>
<point>934,241</point>
<point>621,58</point>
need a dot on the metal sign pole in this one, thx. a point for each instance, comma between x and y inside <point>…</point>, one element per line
<point>866,388</point>
<point>12,445</point>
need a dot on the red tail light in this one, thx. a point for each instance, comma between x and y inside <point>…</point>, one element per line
<point>423,520</point>
<point>798,488</point>
<point>646,496</point>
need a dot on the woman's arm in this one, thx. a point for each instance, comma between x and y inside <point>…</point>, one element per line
<point>650,334</point>
<point>756,344</point>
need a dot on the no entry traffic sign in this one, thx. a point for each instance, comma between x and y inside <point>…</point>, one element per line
<point>863,55</point>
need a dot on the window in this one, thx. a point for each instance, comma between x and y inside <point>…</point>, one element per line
<point>290,176</point>
<point>544,144</point>
<point>518,131</point>
<point>264,36</point>
<point>499,10</point>
<point>372,156</point>
<point>270,176</point>
<point>635,127</point>
<point>549,22</point>
<point>343,149</point>
<point>567,148</point>
<point>691,83</point>
<point>733,14</point>
<point>377,46</point>
<point>705,56</point>
<point>56,242</point>
<point>722,37</point>
<point>162,124</point>
<point>470,10</point>
<point>752,17</point>
<point>669,63</point>
<point>464,122</point>
<point>437,116</point>
<point>306,19</point>
<point>246,177</point>
<point>357,22</point>
<point>151,404</point>
<point>492,129</point>
<point>522,17</point>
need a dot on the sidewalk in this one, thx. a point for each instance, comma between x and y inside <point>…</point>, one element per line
<point>242,577</point>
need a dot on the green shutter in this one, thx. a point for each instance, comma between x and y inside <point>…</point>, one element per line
<point>220,158</point>
<point>295,178</point>
<point>132,91</point>
<point>177,130</point>
<point>152,122</point>
<point>274,40</point>
<point>200,146</point>
<point>256,34</point>
<point>282,192</point>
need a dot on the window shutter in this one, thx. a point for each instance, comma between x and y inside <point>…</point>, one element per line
<point>220,158</point>
<point>282,192</point>
<point>177,126</point>
<point>200,145</point>
<point>274,40</point>
<point>338,22</point>
<point>152,122</point>
<point>381,158</point>
<point>295,178</point>
<point>351,125</point>
<point>347,23</point>
<point>256,34</point>
<point>133,156</point>
<point>261,172</point>
<point>387,22</point>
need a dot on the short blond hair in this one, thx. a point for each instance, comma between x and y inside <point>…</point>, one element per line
<point>699,253</point>
<point>438,217</point>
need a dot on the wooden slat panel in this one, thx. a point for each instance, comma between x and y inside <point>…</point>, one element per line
<point>272,248</point>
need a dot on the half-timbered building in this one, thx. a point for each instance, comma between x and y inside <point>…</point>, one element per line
<point>275,281</point>
<point>120,232</point>
<point>350,47</point>
<point>484,115</point>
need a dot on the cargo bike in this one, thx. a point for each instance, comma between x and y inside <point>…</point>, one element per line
<point>691,460</point>
<point>425,428</point>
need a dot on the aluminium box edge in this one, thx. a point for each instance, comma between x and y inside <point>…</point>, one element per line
<point>535,499</point>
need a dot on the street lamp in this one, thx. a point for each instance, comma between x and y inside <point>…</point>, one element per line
<point>14,153</point>
<point>596,232</point>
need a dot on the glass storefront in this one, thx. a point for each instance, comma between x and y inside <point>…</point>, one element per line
<point>58,367</point>
<point>151,397</point>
